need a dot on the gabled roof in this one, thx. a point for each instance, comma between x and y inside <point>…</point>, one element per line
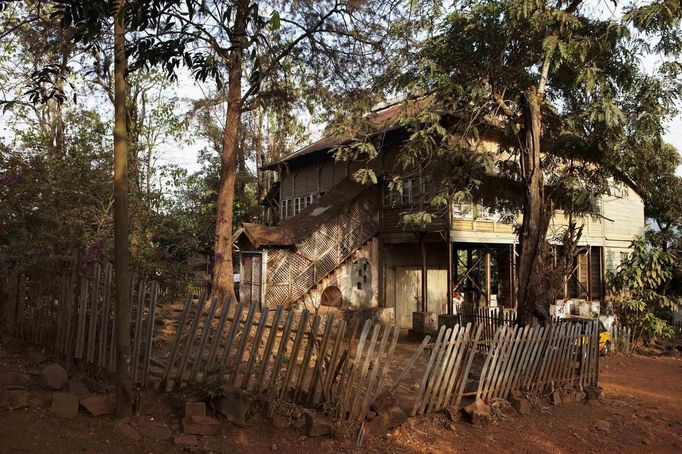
<point>293,230</point>
<point>384,119</point>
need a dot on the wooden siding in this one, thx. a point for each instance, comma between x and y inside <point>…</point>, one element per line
<point>391,222</point>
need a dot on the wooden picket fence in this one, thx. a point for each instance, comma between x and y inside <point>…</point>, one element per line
<point>542,359</point>
<point>622,339</point>
<point>490,319</point>
<point>447,369</point>
<point>70,313</point>
<point>303,357</point>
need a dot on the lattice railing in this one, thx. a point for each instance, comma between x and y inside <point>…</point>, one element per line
<point>293,272</point>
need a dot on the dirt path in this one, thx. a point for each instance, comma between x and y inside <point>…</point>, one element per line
<point>641,412</point>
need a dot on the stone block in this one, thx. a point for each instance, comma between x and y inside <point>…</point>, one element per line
<point>98,405</point>
<point>200,425</point>
<point>64,405</point>
<point>54,376</point>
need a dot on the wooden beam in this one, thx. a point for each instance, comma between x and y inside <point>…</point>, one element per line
<point>449,289</point>
<point>424,273</point>
<point>488,277</point>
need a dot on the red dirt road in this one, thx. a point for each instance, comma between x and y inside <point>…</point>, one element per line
<point>641,412</point>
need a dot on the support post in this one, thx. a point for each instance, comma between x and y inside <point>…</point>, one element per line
<point>589,273</point>
<point>424,273</point>
<point>488,277</point>
<point>449,289</point>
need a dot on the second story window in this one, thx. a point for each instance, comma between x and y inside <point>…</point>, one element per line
<point>412,190</point>
<point>291,207</point>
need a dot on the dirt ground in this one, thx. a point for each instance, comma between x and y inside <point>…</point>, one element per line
<point>640,412</point>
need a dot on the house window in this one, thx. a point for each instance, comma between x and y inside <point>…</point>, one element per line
<point>412,189</point>
<point>291,207</point>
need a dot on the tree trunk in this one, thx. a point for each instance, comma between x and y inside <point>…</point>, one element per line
<point>124,394</point>
<point>533,303</point>
<point>222,280</point>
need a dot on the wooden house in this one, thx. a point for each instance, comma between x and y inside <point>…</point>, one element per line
<point>340,243</point>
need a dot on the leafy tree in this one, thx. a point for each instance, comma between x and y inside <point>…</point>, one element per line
<point>243,45</point>
<point>639,291</point>
<point>560,86</point>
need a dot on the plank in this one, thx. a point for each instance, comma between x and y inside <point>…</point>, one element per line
<point>234,326</point>
<point>137,337</point>
<point>284,389</point>
<point>347,361</point>
<point>106,311</point>
<point>208,325</point>
<point>374,375</point>
<point>333,359</point>
<point>255,348</point>
<point>242,342</point>
<point>94,303</point>
<point>80,330</point>
<point>320,358</point>
<point>362,377</point>
<point>427,371</point>
<point>487,364</point>
<point>312,337</point>
<point>439,370</point>
<point>187,350</point>
<point>272,336</point>
<point>387,362</point>
<point>410,363</point>
<point>461,382</point>
<point>351,369</point>
<point>281,351</point>
<point>218,336</point>
<point>149,340</point>
<point>452,367</point>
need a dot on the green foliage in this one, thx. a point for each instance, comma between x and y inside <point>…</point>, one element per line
<point>638,290</point>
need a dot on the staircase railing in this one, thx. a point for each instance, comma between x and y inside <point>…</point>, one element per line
<point>292,272</point>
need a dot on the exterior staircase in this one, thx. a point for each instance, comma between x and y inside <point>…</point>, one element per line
<point>290,272</point>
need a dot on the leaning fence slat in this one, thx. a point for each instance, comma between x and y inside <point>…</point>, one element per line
<point>281,352</point>
<point>189,341</point>
<point>387,360</point>
<point>344,364</point>
<point>410,363</point>
<point>439,369</point>
<point>149,340</point>
<point>497,363</point>
<point>452,367</point>
<point>319,360</point>
<point>176,342</point>
<point>485,371</point>
<point>461,382</point>
<point>363,372</point>
<point>104,322</point>
<point>208,325</point>
<point>255,348</point>
<point>80,333</point>
<point>218,336</point>
<point>350,369</point>
<point>306,357</point>
<point>509,363</point>
<point>427,371</point>
<point>242,342</point>
<point>236,320</point>
<point>331,365</point>
<point>137,338</point>
<point>371,381</point>
<point>272,336</point>
<point>300,333</point>
<point>93,314</point>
